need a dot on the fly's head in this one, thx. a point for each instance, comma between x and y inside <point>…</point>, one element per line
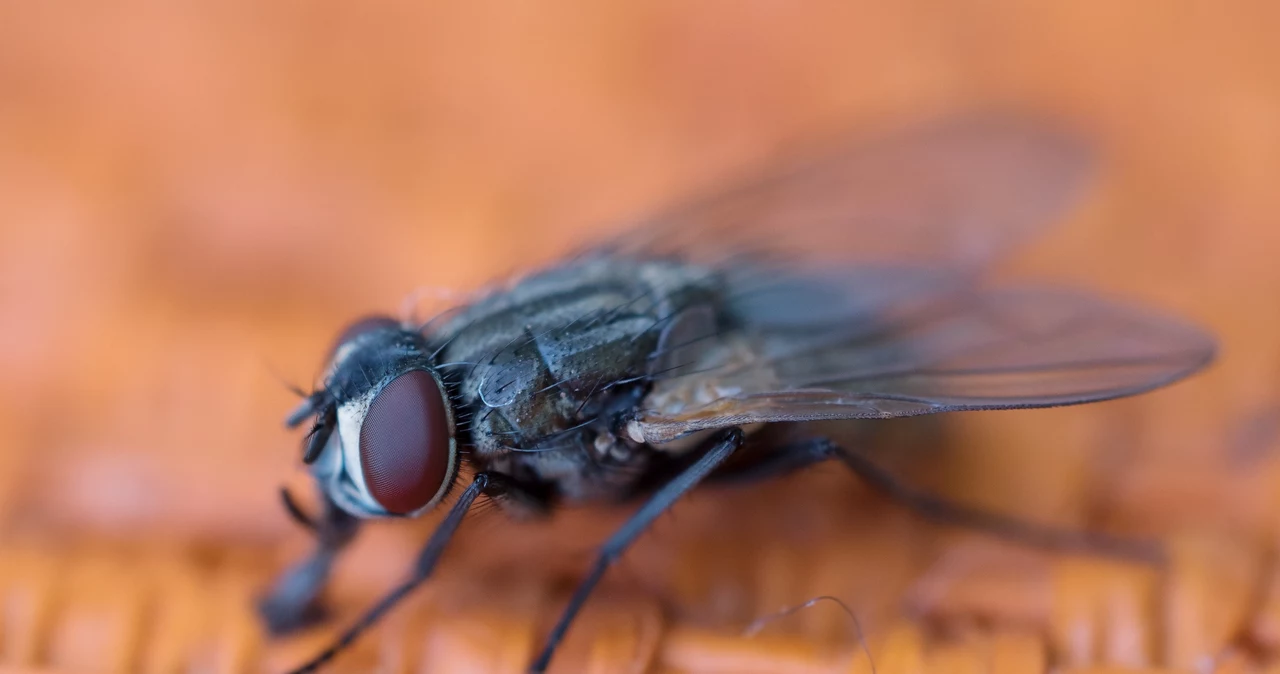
<point>382,440</point>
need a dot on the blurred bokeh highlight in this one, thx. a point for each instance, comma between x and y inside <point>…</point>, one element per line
<point>195,196</point>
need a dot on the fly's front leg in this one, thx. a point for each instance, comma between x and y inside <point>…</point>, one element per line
<point>293,602</point>
<point>484,483</point>
<point>720,448</point>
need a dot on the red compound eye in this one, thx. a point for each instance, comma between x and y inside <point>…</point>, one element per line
<point>404,443</point>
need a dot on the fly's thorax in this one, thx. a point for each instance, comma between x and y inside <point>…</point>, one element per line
<point>554,360</point>
<point>540,350</point>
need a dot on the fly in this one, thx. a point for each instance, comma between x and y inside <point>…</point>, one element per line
<point>847,286</point>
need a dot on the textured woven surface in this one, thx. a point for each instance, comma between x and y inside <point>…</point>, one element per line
<point>193,196</point>
<point>975,607</point>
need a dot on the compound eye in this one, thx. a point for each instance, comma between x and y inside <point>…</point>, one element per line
<point>363,325</point>
<point>405,452</point>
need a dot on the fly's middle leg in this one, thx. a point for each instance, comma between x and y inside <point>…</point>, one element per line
<point>719,448</point>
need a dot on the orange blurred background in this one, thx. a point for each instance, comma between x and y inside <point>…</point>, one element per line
<point>195,196</point>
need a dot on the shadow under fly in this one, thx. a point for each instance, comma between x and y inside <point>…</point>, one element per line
<point>846,286</point>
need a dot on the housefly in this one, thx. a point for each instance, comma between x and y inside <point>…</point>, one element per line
<point>849,285</point>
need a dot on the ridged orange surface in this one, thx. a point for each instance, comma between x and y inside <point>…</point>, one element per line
<point>194,196</point>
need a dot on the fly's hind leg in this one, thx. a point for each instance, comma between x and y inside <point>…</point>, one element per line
<point>950,513</point>
<point>719,448</point>
<point>773,459</point>
<point>293,602</point>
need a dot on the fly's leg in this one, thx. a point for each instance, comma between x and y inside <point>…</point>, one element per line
<point>485,483</point>
<point>793,456</point>
<point>955,514</point>
<point>720,448</point>
<point>293,602</point>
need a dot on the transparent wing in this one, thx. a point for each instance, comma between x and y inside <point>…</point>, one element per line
<point>956,192</point>
<point>888,341</point>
